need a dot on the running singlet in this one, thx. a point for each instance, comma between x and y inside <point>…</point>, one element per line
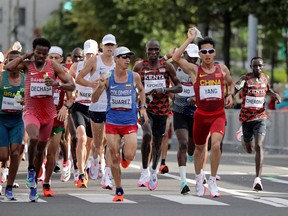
<point>153,79</point>
<point>209,90</point>
<point>181,103</point>
<point>254,94</point>
<point>83,94</point>
<point>122,104</point>
<point>101,104</point>
<point>7,94</point>
<point>39,97</point>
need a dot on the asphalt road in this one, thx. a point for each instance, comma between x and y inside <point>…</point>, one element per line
<point>237,198</point>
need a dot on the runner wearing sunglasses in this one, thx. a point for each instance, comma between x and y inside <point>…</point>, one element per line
<point>209,117</point>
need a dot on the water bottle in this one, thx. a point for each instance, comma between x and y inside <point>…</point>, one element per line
<point>17,100</point>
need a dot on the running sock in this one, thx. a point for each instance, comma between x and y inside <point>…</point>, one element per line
<point>119,191</point>
<point>163,161</point>
<point>9,186</point>
<point>182,171</point>
<point>31,167</point>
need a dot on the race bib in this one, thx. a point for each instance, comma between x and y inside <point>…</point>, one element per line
<point>149,85</point>
<point>8,105</point>
<point>254,102</point>
<point>121,103</point>
<point>40,90</point>
<point>210,91</point>
<point>188,91</point>
<point>56,97</point>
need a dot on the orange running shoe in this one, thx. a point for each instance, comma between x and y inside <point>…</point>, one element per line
<point>163,169</point>
<point>47,191</point>
<point>124,163</point>
<point>118,198</point>
<point>83,181</point>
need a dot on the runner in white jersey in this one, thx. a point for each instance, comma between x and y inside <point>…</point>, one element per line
<point>80,114</point>
<point>99,65</point>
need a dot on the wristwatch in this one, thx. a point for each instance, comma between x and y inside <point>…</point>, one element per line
<point>143,106</point>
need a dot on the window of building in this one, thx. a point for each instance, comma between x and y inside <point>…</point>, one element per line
<point>22,16</point>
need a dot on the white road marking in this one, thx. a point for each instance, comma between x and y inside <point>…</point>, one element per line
<point>22,198</point>
<point>275,180</point>
<point>236,193</point>
<point>99,198</point>
<point>191,200</point>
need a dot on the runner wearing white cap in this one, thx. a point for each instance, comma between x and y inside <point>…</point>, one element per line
<point>101,64</point>
<point>80,114</point>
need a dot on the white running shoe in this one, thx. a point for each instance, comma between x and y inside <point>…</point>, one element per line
<point>66,172</point>
<point>153,181</point>
<point>218,177</point>
<point>106,181</point>
<point>4,175</point>
<point>239,134</point>
<point>144,178</point>
<point>199,187</point>
<point>76,176</point>
<point>257,185</point>
<point>93,170</point>
<point>214,192</point>
<point>100,172</point>
<point>0,190</point>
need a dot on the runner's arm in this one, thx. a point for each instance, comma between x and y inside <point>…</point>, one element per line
<point>88,68</point>
<point>67,84</point>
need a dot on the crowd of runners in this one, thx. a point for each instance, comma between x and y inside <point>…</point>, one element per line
<point>89,105</point>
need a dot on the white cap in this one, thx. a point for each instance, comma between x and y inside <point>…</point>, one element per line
<point>1,57</point>
<point>90,46</point>
<point>192,51</point>
<point>109,38</point>
<point>122,51</point>
<point>55,49</point>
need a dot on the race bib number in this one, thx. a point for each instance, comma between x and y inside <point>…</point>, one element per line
<point>254,102</point>
<point>40,90</point>
<point>210,91</point>
<point>56,97</point>
<point>188,91</point>
<point>8,105</point>
<point>154,84</point>
<point>121,103</point>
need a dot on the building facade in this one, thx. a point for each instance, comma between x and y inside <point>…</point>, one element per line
<point>22,20</point>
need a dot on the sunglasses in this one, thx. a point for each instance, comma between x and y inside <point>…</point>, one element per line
<point>153,49</point>
<point>125,56</point>
<point>205,51</point>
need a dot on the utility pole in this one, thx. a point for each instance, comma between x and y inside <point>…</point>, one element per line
<point>252,38</point>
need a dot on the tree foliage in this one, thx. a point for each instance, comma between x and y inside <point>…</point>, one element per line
<point>134,22</point>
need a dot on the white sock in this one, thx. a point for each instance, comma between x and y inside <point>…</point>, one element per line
<point>212,178</point>
<point>182,171</point>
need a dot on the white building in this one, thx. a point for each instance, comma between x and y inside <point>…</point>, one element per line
<point>21,20</point>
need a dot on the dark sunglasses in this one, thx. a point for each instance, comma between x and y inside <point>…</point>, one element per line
<point>205,51</point>
<point>76,57</point>
<point>125,56</point>
<point>153,49</point>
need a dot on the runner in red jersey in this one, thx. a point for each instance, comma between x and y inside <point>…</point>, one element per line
<point>255,86</point>
<point>209,117</point>
<point>39,110</point>
<point>156,75</point>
